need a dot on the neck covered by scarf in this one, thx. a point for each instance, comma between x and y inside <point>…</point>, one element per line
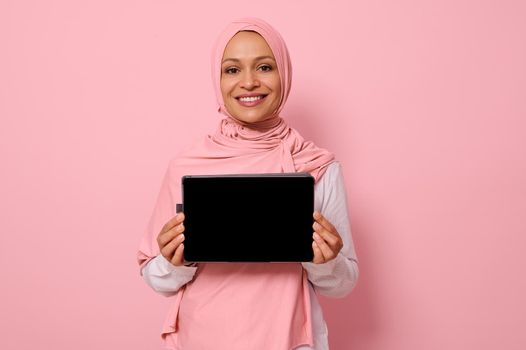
<point>239,305</point>
<point>271,146</point>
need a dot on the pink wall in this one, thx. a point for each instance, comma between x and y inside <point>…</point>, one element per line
<point>422,101</point>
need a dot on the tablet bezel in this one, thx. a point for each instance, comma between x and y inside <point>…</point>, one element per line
<point>303,243</point>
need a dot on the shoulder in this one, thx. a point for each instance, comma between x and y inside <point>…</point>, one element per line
<point>329,182</point>
<point>332,174</point>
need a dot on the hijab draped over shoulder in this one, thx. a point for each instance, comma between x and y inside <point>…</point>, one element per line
<point>239,305</point>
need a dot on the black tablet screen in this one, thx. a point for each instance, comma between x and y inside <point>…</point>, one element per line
<point>248,218</point>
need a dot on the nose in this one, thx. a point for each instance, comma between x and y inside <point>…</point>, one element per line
<point>249,80</point>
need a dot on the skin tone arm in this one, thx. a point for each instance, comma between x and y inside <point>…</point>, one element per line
<point>326,245</point>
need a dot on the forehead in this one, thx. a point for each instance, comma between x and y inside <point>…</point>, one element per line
<point>247,44</point>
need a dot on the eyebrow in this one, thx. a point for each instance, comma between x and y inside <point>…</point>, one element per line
<point>257,59</point>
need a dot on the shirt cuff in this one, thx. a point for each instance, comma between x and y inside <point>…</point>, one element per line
<point>325,268</point>
<point>165,267</point>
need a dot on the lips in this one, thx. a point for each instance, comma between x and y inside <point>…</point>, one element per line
<point>250,100</point>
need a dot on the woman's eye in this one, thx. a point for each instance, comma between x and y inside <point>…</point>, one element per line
<point>231,70</point>
<point>266,68</point>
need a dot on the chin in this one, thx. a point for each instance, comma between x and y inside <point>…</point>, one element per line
<point>249,117</point>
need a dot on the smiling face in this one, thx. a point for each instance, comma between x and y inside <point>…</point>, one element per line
<point>250,83</point>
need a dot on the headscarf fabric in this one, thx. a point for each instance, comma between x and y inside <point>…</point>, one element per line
<point>274,41</point>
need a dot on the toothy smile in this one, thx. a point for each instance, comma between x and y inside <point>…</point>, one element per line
<point>251,100</point>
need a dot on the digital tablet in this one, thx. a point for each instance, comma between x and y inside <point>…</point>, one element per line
<point>248,217</point>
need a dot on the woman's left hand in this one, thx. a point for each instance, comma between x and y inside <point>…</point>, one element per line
<point>327,241</point>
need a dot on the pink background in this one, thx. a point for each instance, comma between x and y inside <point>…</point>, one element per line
<point>423,102</point>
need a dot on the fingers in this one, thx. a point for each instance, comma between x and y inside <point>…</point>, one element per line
<point>169,235</point>
<point>326,237</point>
<point>323,221</point>
<point>326,251</point>
<point>327,231</point>
<point>318,256</point>
<point>170,250</point>
<point>178,260</point>
<point>331,238</point>
<point>171,229</point>
<point>176,220</point>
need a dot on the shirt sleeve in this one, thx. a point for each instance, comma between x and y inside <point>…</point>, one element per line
<point>166,278</point>
<point>335,278</point>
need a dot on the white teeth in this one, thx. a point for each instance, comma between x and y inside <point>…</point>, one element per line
<point>250,99</point>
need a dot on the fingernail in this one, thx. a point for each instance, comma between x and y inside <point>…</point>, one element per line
<point>316,226</point>
<point>316,236</point>
<point>317,215</point>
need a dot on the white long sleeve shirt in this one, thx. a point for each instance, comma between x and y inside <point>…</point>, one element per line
<point>335,278</point>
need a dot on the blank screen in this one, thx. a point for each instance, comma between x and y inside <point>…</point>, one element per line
<point>248,218</point>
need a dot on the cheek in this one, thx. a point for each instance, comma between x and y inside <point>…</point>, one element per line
<point>226,87</point>
<point>274,83</point>
<point>277,94</point>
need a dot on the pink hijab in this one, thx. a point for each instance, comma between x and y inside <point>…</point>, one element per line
<point>239,306</point>
<point>273,39</point>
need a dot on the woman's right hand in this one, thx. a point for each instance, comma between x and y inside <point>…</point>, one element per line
<point>170,240</point>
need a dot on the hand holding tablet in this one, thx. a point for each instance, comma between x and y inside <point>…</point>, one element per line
<point>327,241</point>
<point>170,240</point>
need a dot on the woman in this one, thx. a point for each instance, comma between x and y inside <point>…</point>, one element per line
<point>253,305</point>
